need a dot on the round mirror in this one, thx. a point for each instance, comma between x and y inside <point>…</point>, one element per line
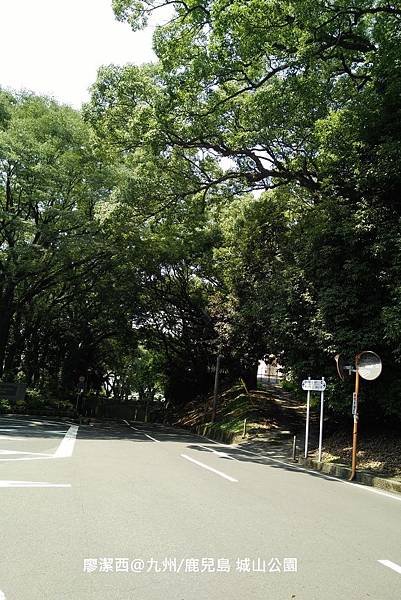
<point>369,365</point>
<point>342,369</point>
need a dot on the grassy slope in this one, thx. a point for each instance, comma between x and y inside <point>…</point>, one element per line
<point>277,410</point>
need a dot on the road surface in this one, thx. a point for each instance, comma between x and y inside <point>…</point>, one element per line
<point>147,512</point>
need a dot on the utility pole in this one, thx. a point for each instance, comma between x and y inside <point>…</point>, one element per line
<point>355,415</point>
<point>216,386</point>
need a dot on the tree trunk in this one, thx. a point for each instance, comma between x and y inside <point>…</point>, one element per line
<point>6,315</point>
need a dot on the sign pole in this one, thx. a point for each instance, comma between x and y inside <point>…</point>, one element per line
<point>355,429</point>
<point>307,421</point>
<point>321,420</point>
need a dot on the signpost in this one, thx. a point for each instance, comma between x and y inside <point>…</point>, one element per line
<point>314,385</point>
<point>81,387</point>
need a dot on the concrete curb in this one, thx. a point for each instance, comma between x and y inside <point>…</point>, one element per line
<point>343,472</point>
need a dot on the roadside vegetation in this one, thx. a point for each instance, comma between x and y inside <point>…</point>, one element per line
<point>240,196</point>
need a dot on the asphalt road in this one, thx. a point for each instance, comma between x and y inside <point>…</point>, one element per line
<point>155,513</point>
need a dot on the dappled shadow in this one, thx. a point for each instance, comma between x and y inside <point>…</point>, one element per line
<point>272,457</point>
<point>37,428</point>
<point>261,454</point>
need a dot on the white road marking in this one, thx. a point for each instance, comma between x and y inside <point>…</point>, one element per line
<point>4,438</point>
<point>151,438</point>
<point>54,431</point>
<point>143,433</point>
<point>50,457</point>
<point>66,447</point>
<point>9,483</point>
<point>222,454</point>
<point>322,475</point>
<point>22,452</point>
<point>365,488</point>
<point>200,464</point>
<point>2,596</point>
<point>13,429</point>
<point>391,565</point>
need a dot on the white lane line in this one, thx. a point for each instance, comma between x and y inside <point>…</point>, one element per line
<point>200,464</point>
<point>321,475</point>
<point>9,483</point>
<point>66,447</point>
<point>365,488</point>
<point>54,431</point>
<point>22,452</point>
<point>2,596</point>
<point>151,438</point>
<point>50,457</point>
<point>143,433</point>
<point>222,454</point>
<point>391,565</point>
<point>13,429</point>
<point>30,422</point>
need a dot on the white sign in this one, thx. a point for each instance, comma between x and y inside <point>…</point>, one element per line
<point>314,385</point>
<point>354,404</point>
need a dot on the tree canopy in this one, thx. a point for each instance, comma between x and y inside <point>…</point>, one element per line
<point>239,196</point>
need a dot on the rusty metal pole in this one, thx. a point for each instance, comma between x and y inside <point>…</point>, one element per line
<point>355,429</point>
<point>294,448</point>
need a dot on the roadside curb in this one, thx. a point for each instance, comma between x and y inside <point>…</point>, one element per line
<point>344,472</point>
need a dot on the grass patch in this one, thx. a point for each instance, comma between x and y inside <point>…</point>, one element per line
<point>233,406</point>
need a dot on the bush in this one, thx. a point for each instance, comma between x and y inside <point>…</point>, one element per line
<point>33,400</point>
<point>4,406</point>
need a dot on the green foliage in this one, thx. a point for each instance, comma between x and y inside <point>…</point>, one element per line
<point>5,406</point>
<point>240,196</point>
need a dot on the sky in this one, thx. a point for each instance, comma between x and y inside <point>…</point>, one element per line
<point>54,47</point>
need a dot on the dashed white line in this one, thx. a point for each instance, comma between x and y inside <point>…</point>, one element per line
<point>200,464</point>
<point>391,565</point>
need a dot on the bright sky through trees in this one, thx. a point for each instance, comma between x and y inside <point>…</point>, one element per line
<point>55,47</point>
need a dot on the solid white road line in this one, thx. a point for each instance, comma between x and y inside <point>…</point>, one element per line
<point>21,452</point>
<point>200,464</point>
<point>13,429</point>
<point>50,457</point>
<point>9,483</point>
<point>391,565</point>
<point>323,475</point>
<point>222,454</point>
<point>143,433</point>
<point>66,447</point>
<point>365,488</point>
<point>152,438</point>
